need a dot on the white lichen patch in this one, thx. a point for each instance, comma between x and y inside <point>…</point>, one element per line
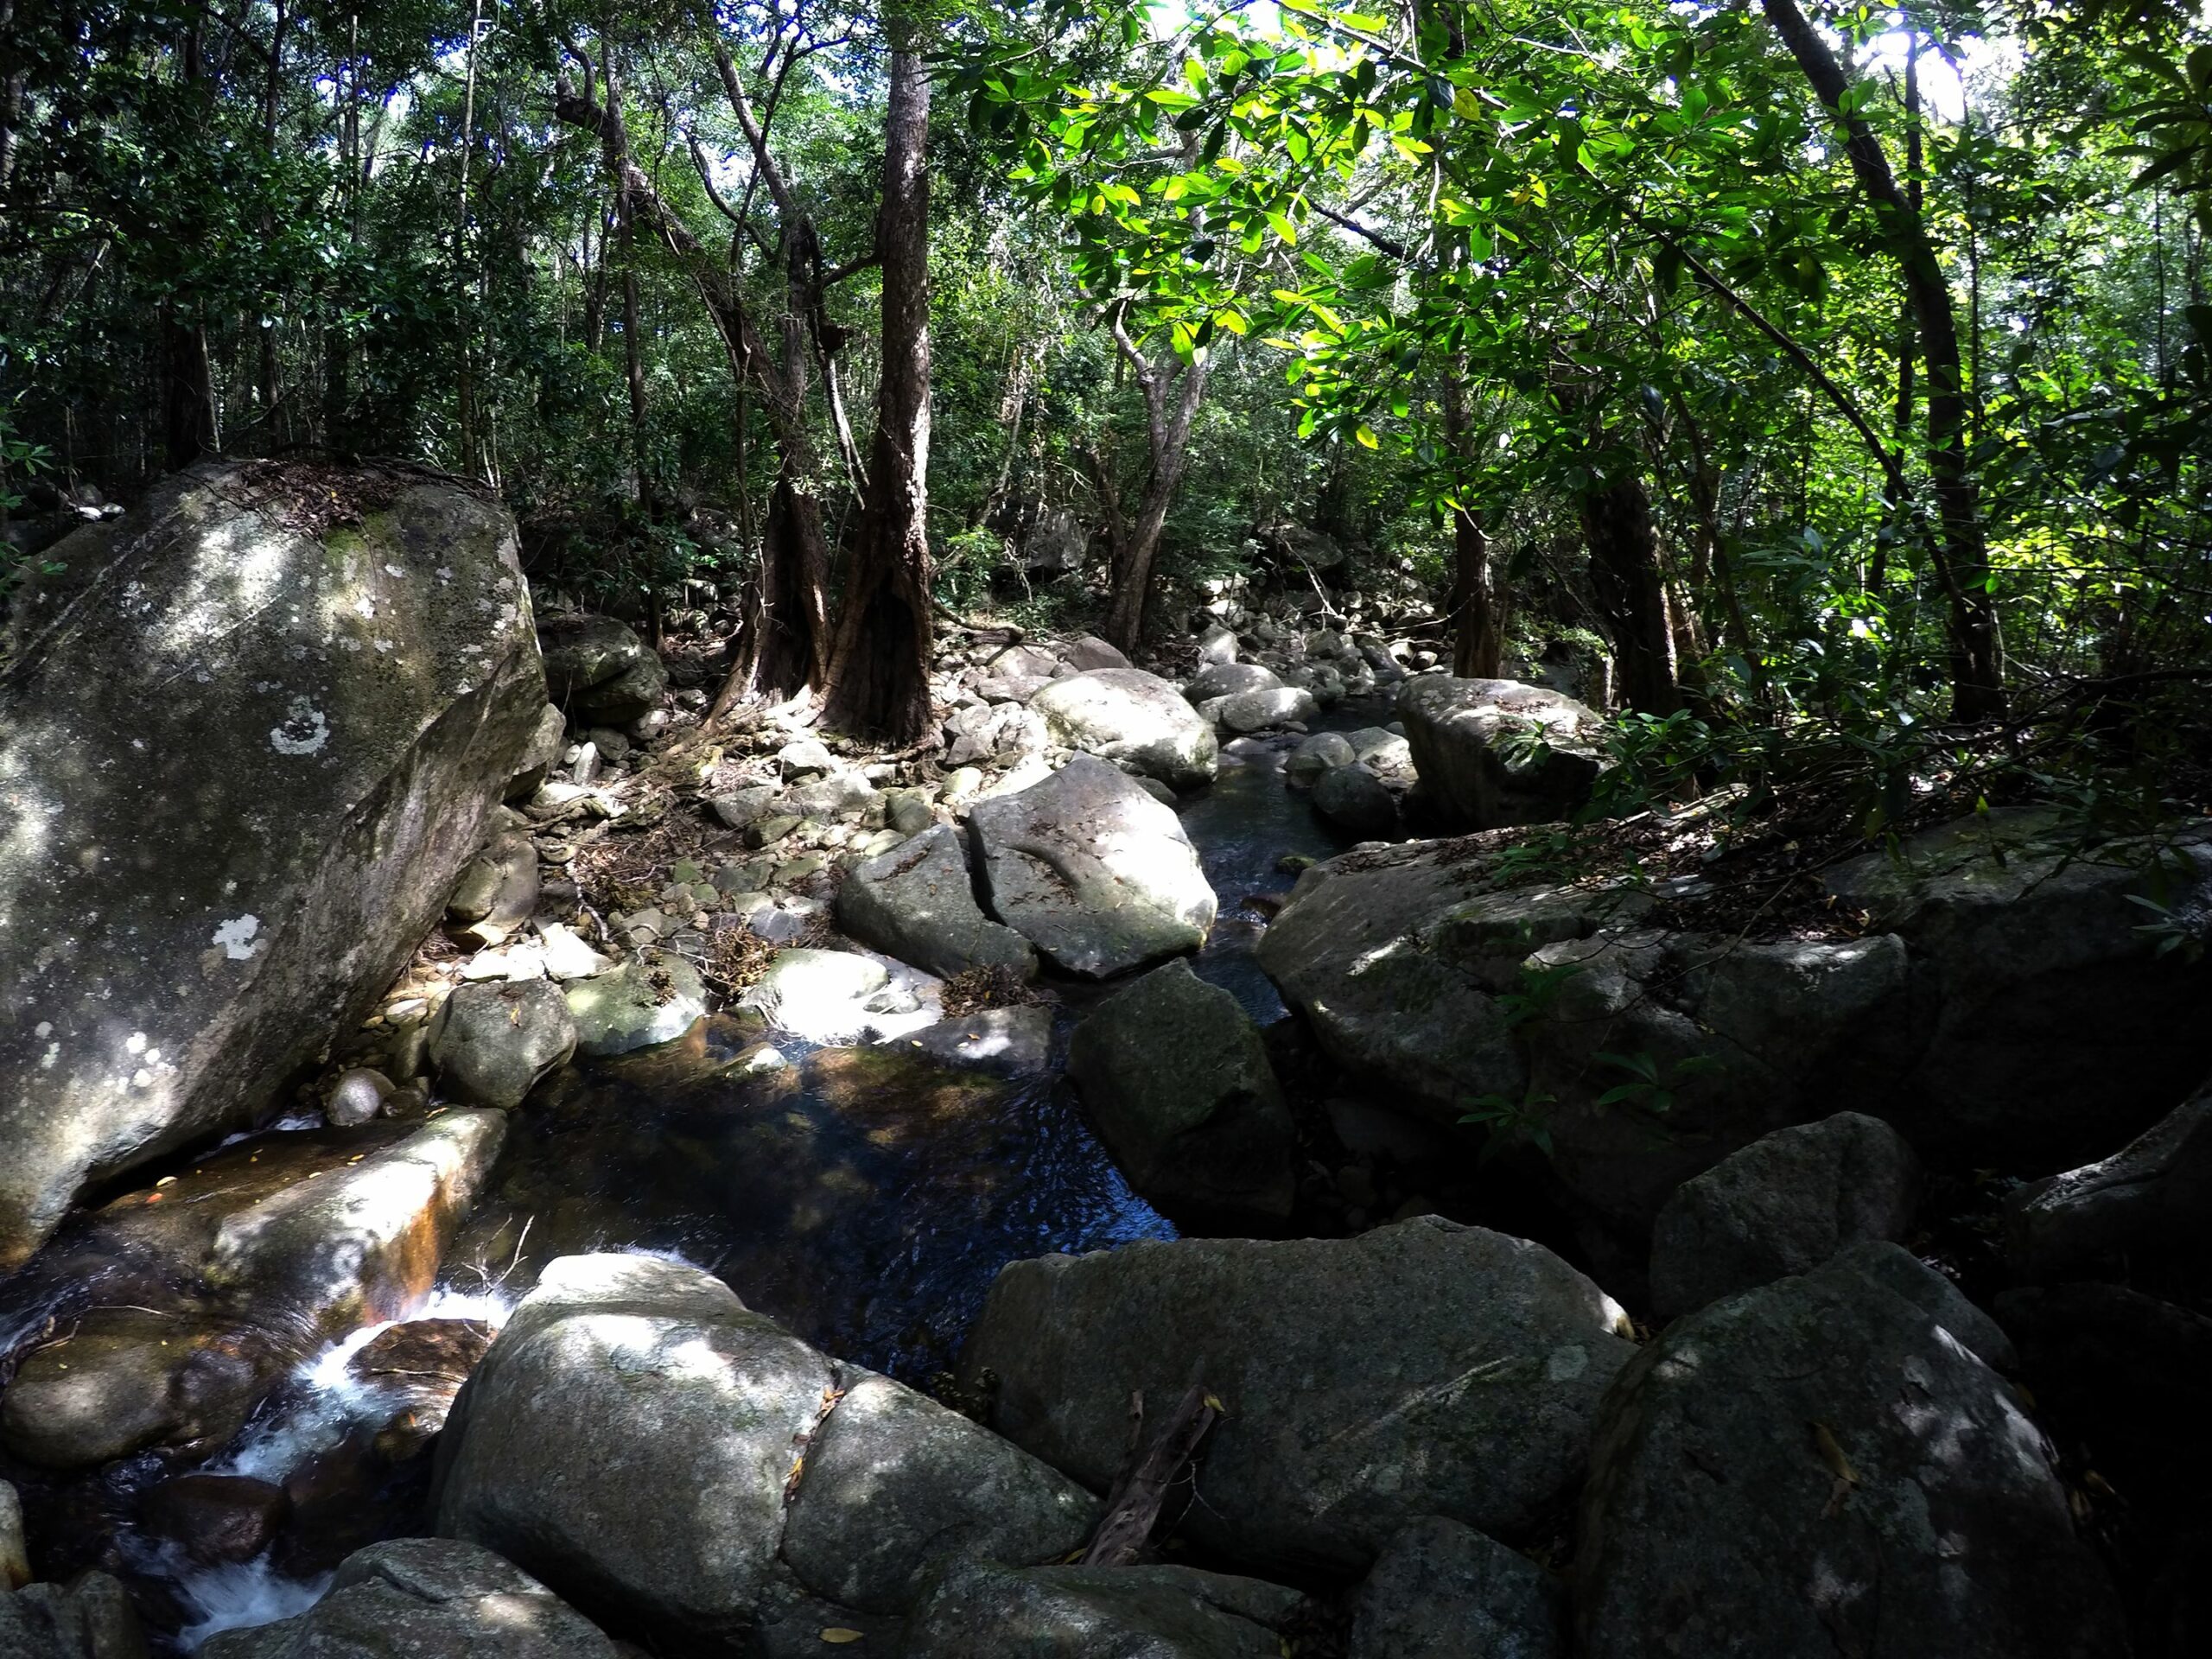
<point>237,937</point>
<point>304,731</point>
<point>394,570</point>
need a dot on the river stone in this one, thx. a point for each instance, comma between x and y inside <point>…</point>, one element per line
<point>654,997</point>
<point>1319,754</point>
<point>638,1436</point>
<point>1248,711</point>
<point>822,995</point>
<point>278,751</point>
<point>1228,680</point>
<point>975,1610</point>
<point>496,894</point>
<point>2143,1207</point>
<point>89,1618</point>
<point>1897,1270</point>
<point>356,1095</point>
<point>2057,1032</point>
<point>1090,651</point>
<point>599,670</point>
<point>424,1599</point>
<point>1465,735</point>
<point>491,1043</point>
<point>1443,1590</point>
<point>540,755</point>
<point>1815,1466</point>
<point>917,902</point>
<point>893,1481</point>
<point>1092,871</point>
<point>1177,1080</point>
<point>1015,1042</point>
<point>1420,1369</point>
<point>1782,1204</point>
<point>1139,720</point>
<point>1354,799</point>
<point>215,1519</point>
<point>993,734</point>
<point>738,808</point>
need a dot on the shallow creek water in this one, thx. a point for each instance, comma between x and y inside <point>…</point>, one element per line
<point>865,1197</point>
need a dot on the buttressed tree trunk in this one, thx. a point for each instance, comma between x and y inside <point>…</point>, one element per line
<point>1962,556</point>
<point>879,671</point>
<point>1631,595</point>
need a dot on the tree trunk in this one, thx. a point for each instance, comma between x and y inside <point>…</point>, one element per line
<point>1167,437</point>
<point>1477,649</point>
<point>879,673</point>
<point>1631,595</point>
<point>1962,556</point>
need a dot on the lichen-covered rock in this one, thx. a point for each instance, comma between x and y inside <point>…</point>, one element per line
<point>1133,718</point>
<point>1420,1369</point>
<point>91,1618</point>
<point>975,1611</point>
<point>244,765</point>
<point>917,902</point>
<point>1174,1075</point>
<point>599,670</point>
<point>1443,1590</point>
<point>654,997</point>
<point>424,1599</point>
<point>1492,752</point>
<point>1819,1466</point>
<point>491,1043</point>
<point>1092,871</point>
<point>636,1436</point>
<point>1782,1204</point>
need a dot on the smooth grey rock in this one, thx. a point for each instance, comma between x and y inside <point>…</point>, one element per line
<point>979,1611</point>
<point>1089,652</point>
<point>540,755</point>
<point>424,1599</point>
<point>823,995</point>
<point>1158,791</point>
<point>492,1043</point>
<point>627,700</point>
<point>805,757</point>
<point>2054,1030</point>
<point>356,1095</point>
<point>1443,1590</point>
<point>637,1433</point>
<point>1016,674</point>
<point>2144,1206</point>
<point>1815,1466</point>
<point>907,810</point>
<point>1127,715</point>
<point>1248,711</point>
<point>917,902</point>
<point>654,997</point>
<point>1228,680</point>
<point>1898,1271</point>
<point>1354,799</point>
<point>90,1618</point>
<point>1467,737</point>
<point>1782,1204</point>
<point>496,893</point>
<point>248,814</point>
<point>1175,1077</point>
<point>1316,754</point>
<point>1092,871</point>
<point>993,734</point>
<point>1217,644</point>
<point>1420,1369</point>
<point>894,1481</point>
<point>738,808</point>
<point>583,651</point>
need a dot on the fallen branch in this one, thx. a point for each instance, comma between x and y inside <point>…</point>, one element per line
<point>1133,1507</point>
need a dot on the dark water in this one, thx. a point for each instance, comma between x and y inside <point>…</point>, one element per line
<point>1243,824</point>
<point>864,1197</point>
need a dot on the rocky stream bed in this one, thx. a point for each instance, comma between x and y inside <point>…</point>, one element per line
<point>487,1175</point>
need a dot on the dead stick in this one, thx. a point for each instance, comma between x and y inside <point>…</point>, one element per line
<point>1133,1508</point>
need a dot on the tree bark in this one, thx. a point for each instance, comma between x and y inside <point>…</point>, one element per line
<point>878,672</point>
<point>1961,556</point>
<point>1477,649</point>
<point>1167,437</point>
<point>1631,595</point>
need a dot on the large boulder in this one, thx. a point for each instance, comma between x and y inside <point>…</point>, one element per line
<point>1352,797</point>
<point>1175,1077</point>
<point>242,767</point>
<point>2143,1207</point>
<point>976,1610</point>
<point>2057,1027</point>
<point>917,902</point>
<point>1249,711</point>
<point>1783,1204</point>
<point>638,1438</point>
<point>598,671</point>
<point>1420,1369</point>
<point>492,1042</point>
<point>91,1618</point>
<point>424,1599</point>
<point>1497,752</point>
<point>1819,1466</point>
<point>275,1246</point>
<point>1443,1590</point>
<point>1228,680</point>
<point>1136,719</point>
<point>1092,871</point>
